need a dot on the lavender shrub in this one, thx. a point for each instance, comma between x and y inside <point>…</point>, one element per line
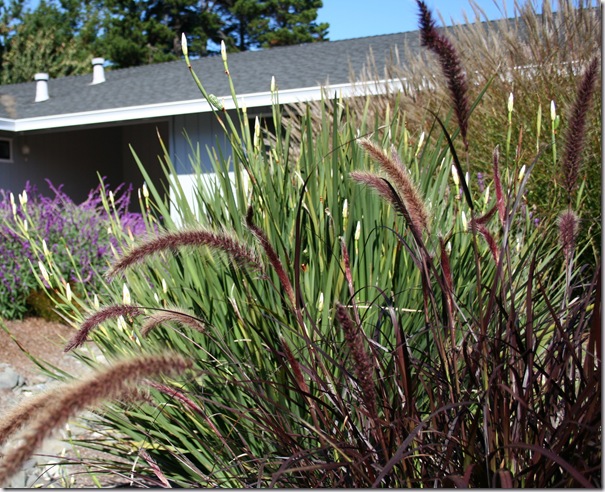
<point>76,236</point>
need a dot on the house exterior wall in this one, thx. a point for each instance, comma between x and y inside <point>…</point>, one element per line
<point>68,158</point>
<point>143,138</point>
<point>73,157</point>
<point>200,128</point>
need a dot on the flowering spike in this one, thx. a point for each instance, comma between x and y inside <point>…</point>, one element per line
<point>553,111</point>
<point>576,130</point>
<point>44,272</point>
<point>450,65</point>
<point>223,51</point>
<point>184,45</point>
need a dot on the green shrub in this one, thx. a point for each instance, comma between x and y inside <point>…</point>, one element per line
<point>427,336</point>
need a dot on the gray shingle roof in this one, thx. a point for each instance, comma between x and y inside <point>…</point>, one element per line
<point>305,65</point>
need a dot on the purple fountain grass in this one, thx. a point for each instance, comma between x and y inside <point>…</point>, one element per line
<point>381,186</point>
<point>72,398</point>
<point>450,64</point>
<point>235,250</point>
<point>295,366</point>
<point>272,257</point>
<point>478,224</point>
<point>500,201</point>
<point>363,364</point>
<point>576,130</point>
<point>568,232</point>
<point>401,181</point>
<point>109,312</point>
<point>175,315</point>
<point>177,395</point>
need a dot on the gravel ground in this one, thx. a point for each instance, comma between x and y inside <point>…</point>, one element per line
<point>45,340</point>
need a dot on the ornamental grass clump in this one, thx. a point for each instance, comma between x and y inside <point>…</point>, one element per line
<point>428,336</point>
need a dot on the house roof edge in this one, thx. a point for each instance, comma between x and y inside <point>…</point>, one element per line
<point>161,110</point>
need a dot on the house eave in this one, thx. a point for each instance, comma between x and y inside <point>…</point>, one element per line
<point>162,110</point>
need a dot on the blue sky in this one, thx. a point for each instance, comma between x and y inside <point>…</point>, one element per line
<point>359,18</point>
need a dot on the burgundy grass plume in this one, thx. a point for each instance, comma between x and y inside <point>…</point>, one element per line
<point>500,202</point>
<point>450,65</point>
<point>568,232</point>
<point>72,398</point>
<point>235,250</point>
<point>576,130</point>
<point>363,365</point>
<point>109,312</point>
<point>379,185</point>
<point>401,181</point>
<point>272,257</point>
<point>175,315</point>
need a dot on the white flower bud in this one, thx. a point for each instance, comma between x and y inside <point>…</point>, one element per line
<point>273,85</point>
<point>521,173</point>
<point>68,292</point>
<point>145,191</point>
<point>553,111</point>
<point>455,176</point>
<point>184,44</point>
<point>345,209</point>
<point>420,142</point>
<point>464,221</point>
<point>45,248</point>
<point>13,205</point>
<point>164,286</point>
<point>223,51</point>
<point>44,272</point>
<point>23,198</point>
<point>257,135</point>
<point>358,231</point>
<point>126,299</point>
<point>96,302</point>
<point>510,103</point>
<point>320,302</point>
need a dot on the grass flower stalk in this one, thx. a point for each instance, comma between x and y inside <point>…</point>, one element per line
<point>94,320</point>
<point>576,130</point>
<point>74,397</point>
<point>450,65</point>
<point>232,247</point>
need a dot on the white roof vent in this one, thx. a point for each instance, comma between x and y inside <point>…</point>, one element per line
<point>41,87</point>
<point>98,72</point>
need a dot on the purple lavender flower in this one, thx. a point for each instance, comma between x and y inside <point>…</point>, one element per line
<point>60,222</point>
<point>481,182</point>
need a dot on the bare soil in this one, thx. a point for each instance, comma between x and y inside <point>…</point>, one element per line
<point>40,338</point>
<point>43,340</point>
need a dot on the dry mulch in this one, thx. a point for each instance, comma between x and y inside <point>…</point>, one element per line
<point>43,339</point>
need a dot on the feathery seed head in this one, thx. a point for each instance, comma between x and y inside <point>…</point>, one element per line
<point>568,232</point>
<point>576,130</point>
<point>109,383</point>
<point>234,249</point>
<point>450,65</point>
<point>176,315</point>
<point>400,189</point>
<point>96,319</point>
